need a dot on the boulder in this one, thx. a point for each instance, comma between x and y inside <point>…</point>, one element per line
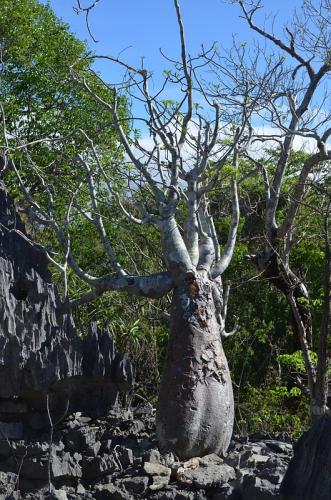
<point>255,488</point>
<point>160,475</point>
<point>206,472</point>
<point>135,485</point>
<point>308,476</point>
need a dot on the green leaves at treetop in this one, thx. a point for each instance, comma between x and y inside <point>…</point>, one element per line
<point>42,100</point>
<point>38,94</point>
<point>295,361</point>
<point>37,52</point>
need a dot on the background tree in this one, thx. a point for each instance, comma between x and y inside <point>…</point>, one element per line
<point>294,104</point>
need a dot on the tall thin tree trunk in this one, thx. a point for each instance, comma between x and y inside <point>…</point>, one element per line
<point>322,365</point>
<point>284,279</point>
<point>195,410</point>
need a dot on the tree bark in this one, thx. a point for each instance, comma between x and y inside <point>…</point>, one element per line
<point>308,475</point>
<point>322,364</point>
<point>195,410</point>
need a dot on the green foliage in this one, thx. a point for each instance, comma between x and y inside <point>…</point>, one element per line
<point>295,361</point>
<point>265,343</point>
<point>44,107</point>
<point>271,408</point>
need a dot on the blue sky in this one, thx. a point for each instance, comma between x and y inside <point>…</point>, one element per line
<point>141,27</point>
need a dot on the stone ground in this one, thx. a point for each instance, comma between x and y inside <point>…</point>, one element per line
<point>117,458</point>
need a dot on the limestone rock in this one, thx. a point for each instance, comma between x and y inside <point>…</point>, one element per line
<point>99,466</point>
<point>211,472</point>
<point>155,469</point>
<point>160,475</point>
<point>309,474</point>
<point>135,485</point>
<point>58,495</point>
<point>254,488</point>
<point>40,351</point>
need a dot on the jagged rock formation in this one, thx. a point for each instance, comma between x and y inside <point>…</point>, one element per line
<point>309,474</point>
<point>40,352</point>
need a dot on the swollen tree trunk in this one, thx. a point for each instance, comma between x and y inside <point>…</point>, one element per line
<point>195,409</point>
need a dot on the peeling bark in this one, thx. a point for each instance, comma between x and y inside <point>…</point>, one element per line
<point>195,409</point>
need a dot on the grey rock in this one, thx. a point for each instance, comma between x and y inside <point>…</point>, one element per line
<point>254,488</point>
<point>153,456</point>
<point>8,478</point>
<point>124,456</point>
<point>257,460</point>
<point>35,448</point>
<point>242,454</point>
<point>172,493</point>
<point>11,496</point>
<point>144,409</point>
<point>73,440</point>
<point>107,446</point>
<point>83,439</point>
<point>160,475</point>
<point>40,352</point>
<point>8,482</point>
<point>135,427</point>
<point>273,474</point>
<point>308,476</point>
<point>37,495</point>
<point>208,476</point>
<point>58,495</point>
<point>99,466</point>
<point>66,465</point>
<point>110,491</point>
<point>80,489</point>
<point>228,492</point>
<point>159,482</point>
<point>154,469</point>
<point>136,485</point>
<point>168,459</point>
<point>81,419</point>
<point>211,459</point>
<point>93,449</point>
<point>279,447</point>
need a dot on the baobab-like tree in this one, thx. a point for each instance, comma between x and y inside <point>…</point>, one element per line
<point>191,142</point>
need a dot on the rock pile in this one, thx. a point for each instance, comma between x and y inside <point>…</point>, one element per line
<point>117,458</point>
